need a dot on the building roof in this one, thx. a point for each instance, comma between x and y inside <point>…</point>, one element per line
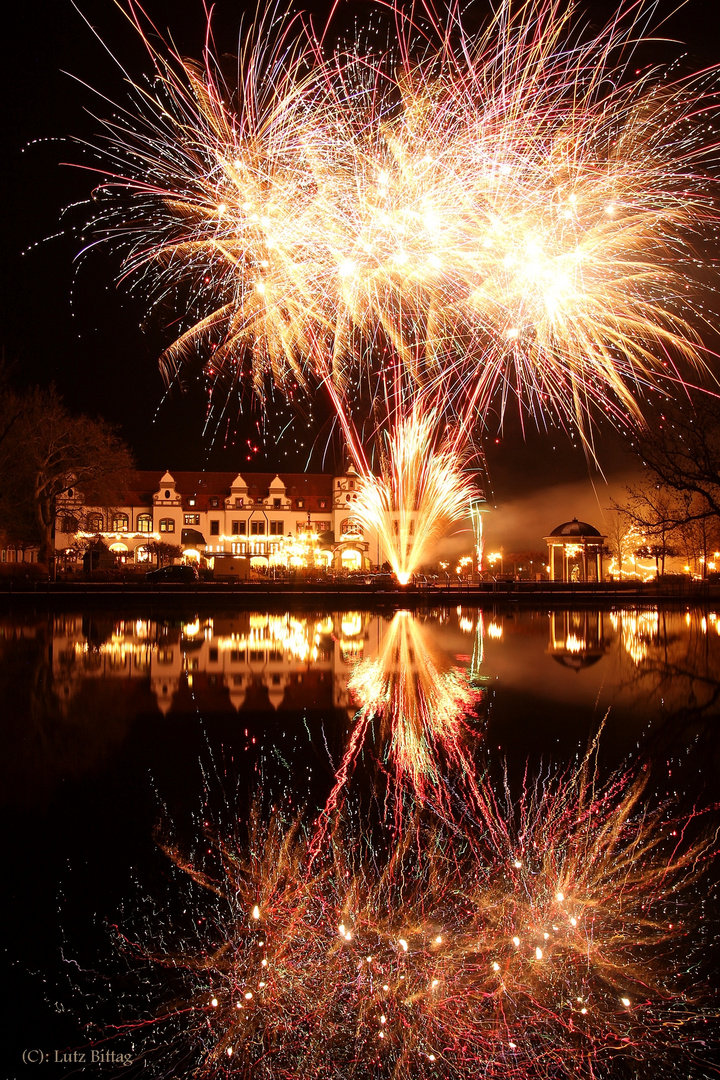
<point>203,486</point>
<point>575,528</point>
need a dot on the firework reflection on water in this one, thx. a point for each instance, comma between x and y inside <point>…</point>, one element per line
<point>562,934</point>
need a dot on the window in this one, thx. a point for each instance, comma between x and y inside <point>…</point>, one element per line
<point>214,528</point>
<point>322,504</point>
<point>301,504</point>
<point>70,493</point>
<point>167,525</point>
<point>167,494</point>
<point>257,528</point>
<point>351,527</point>
<point>191,502</point>
<point>144,523</point>
<point>351,485</point>
<point>277,502</point>
<point>119,523</point>
<point>69,524</point>
<point>276,528</point>
<point>94,523</point>
<point>192,519</point>
<point>214,502</point>
<point>238,502</point>
<point>239,528</point>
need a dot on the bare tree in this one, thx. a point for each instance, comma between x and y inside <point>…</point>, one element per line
<point>682,455</point>
<point>617,527</point>
<point>163,551</point>
<point>46,453</point>
<point>654,514</point>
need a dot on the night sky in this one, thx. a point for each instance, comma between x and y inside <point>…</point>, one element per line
<point>70,322</point>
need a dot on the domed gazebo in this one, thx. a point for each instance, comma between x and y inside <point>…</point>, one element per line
<point>575,552</point>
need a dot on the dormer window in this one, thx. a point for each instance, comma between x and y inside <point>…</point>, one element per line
<point>191,502</point>
<point>322,504</point>
<point>167,494</point>
<point>301,504</point>
<point>351,485</point>
<point>214,502</point>
<point>277,502</point>
<point>238,502</point>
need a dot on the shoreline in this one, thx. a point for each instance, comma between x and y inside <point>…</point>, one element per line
<point>540,593</point>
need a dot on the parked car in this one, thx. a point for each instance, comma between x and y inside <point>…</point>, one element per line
<point>184,572</point>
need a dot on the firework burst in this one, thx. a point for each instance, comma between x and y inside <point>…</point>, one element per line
<point>510,214</point>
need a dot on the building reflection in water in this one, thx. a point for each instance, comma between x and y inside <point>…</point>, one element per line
<point>254,659</point>
<point>401,665</point>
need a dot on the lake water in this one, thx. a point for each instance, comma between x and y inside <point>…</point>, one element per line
<point>137,748</point>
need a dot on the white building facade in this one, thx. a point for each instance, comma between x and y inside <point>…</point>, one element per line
<point>289,520</point>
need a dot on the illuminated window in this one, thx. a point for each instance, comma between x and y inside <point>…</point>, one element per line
<point>301,504</point>
<point>192,519</point>
<point>167,525</point>
<point>94,523</point>
<point>144,523</point>
<point>119,523</point>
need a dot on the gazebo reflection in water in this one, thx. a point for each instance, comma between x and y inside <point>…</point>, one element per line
<point>577,638</point>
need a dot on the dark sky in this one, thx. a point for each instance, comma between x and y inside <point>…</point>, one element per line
<point>72,324</point>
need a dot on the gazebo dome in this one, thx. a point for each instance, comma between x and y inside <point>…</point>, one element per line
<point>575,528</point>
